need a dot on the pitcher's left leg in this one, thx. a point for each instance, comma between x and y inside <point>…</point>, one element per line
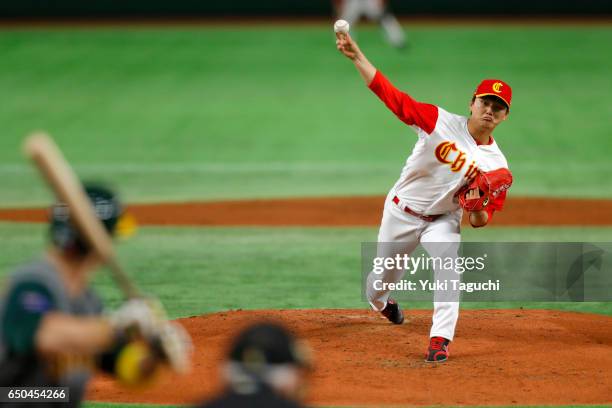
<point>441,239</point>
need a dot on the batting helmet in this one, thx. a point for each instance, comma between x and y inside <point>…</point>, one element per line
<point>65,235</point>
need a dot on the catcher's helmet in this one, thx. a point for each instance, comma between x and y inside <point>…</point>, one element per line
<point>64,234</point>
<point>264,344</point>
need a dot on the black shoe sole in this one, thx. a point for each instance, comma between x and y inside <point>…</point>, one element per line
<point>394,322</point>
<point>436,361</point>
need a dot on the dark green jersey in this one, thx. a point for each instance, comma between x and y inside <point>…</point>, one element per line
<point>33,291</point>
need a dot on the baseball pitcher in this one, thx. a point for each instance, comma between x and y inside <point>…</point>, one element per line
<point>455,165</point>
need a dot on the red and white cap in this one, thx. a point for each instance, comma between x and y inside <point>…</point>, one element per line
<point>495,87</point>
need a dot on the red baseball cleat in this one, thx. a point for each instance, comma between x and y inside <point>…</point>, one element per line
<point>438,350</point>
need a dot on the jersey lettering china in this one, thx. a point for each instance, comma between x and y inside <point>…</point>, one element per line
<point>444,157</point>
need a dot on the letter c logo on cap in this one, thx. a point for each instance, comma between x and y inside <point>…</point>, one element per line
<point>497,87</point>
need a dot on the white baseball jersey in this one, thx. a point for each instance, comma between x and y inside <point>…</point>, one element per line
<point>444,158</point>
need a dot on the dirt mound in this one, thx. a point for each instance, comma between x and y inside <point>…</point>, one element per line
<point>339,211</point>
<point>499,357</point>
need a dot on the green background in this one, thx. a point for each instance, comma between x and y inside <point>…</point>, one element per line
<point>173,113</point>
<point>223,112</point>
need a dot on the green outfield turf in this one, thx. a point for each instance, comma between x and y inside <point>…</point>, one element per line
<point>176,113</point>
<point>202,270</point>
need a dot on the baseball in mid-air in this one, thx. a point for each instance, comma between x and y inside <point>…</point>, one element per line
<point>341,26</point>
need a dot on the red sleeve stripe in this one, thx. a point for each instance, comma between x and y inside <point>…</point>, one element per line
<point>408,110</point>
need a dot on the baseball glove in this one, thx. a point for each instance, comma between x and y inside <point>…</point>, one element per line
<point>146,318</point>
<point>490,185</point>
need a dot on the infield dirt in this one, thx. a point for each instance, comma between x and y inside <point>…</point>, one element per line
<point>338,211</point>
<point>499,357</point>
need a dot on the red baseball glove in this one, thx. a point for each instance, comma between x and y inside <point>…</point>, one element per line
<point>490,185</point>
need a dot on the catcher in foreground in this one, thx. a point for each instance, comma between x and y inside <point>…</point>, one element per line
<point>454,165</point>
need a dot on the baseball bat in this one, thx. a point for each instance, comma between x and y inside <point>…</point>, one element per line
<point>50,161</point>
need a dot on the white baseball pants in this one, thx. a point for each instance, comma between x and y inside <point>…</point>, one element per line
<point>400,233</point>
<point>375,10</point>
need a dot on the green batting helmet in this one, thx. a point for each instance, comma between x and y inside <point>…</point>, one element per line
<point>107,207</point>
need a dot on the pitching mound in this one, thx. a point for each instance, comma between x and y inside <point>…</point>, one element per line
<point>499,357</point>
